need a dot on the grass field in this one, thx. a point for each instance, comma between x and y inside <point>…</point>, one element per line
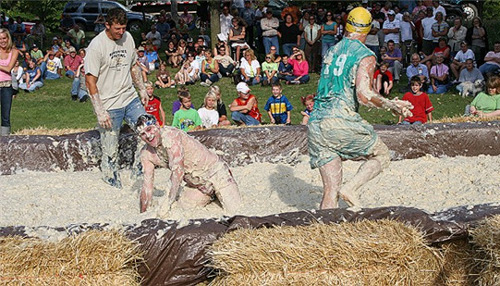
<point>51,106</point>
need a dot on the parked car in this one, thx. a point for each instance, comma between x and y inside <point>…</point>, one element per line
<point>154,7</point>
<point>85,12</point>
<point>467,9</point>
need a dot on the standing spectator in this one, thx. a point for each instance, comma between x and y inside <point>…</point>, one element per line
<point>245,108</point>
<point>163,27</point>
<point>439,28</point>
<point>142,62</point>
<point>209,70</point>
<point>456,35</point>
<point>439,76</point>
<point>419,7</point>
<point>67,23</point>
<point>269,26</point>
<point>110,82</point>
<point>492,61</point>
<point>250,68</point>
<point>17,77</point>
<point>237,37</point>
<point>436,8</point>
<point>269,70</point>
<point>20,28</point>
<point>225,23</point>
<point>393,58</point>
<point>372,41</point>
<point>71,62</point>
<point>458,63</point>
<point>52,66</point>
<point>469,74</point>
<point>391,28</point>
<point>419,36</point>
<point>300,66</point>
<point>8,58</point>
<point>248,15</point>
<point>478,38</point>
<point>386,9</point>
<point>328,32</point>
<point>32,78</point>
<point>79,90</point>
<point>278,107</point>
<point>226,63</point>
<point>289,34</point>
<point>37,33</point>
<point>427,32</point>
<point>154,36</point>
<point>77,37</point>
<point>407,43</point>
<point>188,18</point>
<point>312,35</point>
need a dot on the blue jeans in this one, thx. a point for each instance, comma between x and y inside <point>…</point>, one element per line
<point>303,79</point>
<point>213,77</point>
<point>273,80</point>
<point>271,41</point>
<point>325,47</point>
<point>409,123</point>
<point>35,85</point>
<point>244,118</point>
<point>6,102</point>
<point>287,49</point>
<point>75,87</point>
<point>488,68</point>
<point>440,89</point>
<point>69,74</point>
<point>50,75</point>
<point>109,137</point>
<point>252,80</point>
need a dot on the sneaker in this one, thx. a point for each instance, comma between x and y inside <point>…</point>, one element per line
<point>205,83</point>
<point>172,86</point>
<point>455,81</point>
<point>295,82</point>
<point>219,75</point>
<point>84,98</point>
<point>74,97</point>
<point>237,65</point>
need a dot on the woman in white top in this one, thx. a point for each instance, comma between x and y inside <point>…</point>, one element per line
<point>250,68</point>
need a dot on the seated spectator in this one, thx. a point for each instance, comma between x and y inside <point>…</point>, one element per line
<point>208,112</point>
<point>278,107</point>
<point>272,51</point>
<point>469,74</point>
<point>269,71</point>
<point>284,68</point>
<point>72,62</point>
<point>163,79</point>
<point>383,52</point>
<point>394,59</point>
<point>442,49</point>
<point>226,63</point>
<point>172,56</point>
<point>152,56</point>
<point>176,105</point>
<point>154,104</point>
<point>26,59</point>
<point>67,23</point>
<point>250,68</point>
<point>458,63</point>
<point>142,62</point>
<point>422,106</point>
<point>209,70</point>
<point>492,61</point>
<point>52,66</point>
<point>155,37</point>
<point>300,66</point>
<point>163,27</point>
<point>308,102</point>
<point>20,44</point>
<point>36,54</point>
<point>77,37</point>
<point>79,89</point>
<point>17,77</point>
<point>245,109</point>
<point>66,46</point>
<point>417,69</point>
<point>56,48</point>
<point>221,107</point>
<point>237,37</point>
<point>440,77</point>
<point>383,80</point>
<point>186,118</point>
<point>181,51</point>
<point>188,18</point>
<point>20,28</point>
<point>189,72</point>
<point>487,104</point>
<point>32,78</point>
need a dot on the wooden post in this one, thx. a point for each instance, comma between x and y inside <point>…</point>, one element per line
<point>214,25</point>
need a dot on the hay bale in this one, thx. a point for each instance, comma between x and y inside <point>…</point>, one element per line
<point>90,258</point>
<point>461,119</point>
<point>42,130</point>
<point>459,264</point>
<point>362,253</point>
<point>487,237</point>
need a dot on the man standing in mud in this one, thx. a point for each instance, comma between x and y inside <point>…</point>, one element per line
<point>110,67</point>
<point>336,131</point>
<point>204,173</point>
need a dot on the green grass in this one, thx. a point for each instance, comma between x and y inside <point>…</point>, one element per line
<point>51,106</point>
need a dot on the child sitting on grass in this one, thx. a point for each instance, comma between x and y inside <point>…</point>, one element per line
<point>154,104</point>
<point>186,118</point>
<point>382,80</point>
<point>486,104</point>
<point>422,106</point>
<point>278,107</point>
<point>163,79</point>
<point>308,102</point>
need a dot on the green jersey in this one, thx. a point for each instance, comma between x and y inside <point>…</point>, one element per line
<point>336,95</point>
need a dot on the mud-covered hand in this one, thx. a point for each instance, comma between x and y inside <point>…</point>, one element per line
<point>144,97</point>
<point>102,114</point>
<point>401,107</point>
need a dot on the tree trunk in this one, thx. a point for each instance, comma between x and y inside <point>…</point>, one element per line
<point>214,24</point>
<point>174,10</point>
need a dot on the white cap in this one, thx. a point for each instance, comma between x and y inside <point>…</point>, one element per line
<point>242,87</point>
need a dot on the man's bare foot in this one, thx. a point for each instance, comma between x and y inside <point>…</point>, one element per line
<point>329,203</point>
<point>349,199</point>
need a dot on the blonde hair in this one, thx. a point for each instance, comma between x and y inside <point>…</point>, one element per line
<point>270,56</point>
<point>210,94</point>
<point>148,84</point>
<point>9,39</point>
<point>251,53</point>
<point>215,89</point>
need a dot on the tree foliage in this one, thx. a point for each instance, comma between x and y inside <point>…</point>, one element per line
<point>48,11</point>
<point>491,9</point>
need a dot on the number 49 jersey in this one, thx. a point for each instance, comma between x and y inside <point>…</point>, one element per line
<point>336,95</point>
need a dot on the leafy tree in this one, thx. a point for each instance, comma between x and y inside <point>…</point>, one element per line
<point>48,11</point>
<point>491,9</point>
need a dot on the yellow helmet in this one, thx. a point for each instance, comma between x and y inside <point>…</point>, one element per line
<point>359,20</point>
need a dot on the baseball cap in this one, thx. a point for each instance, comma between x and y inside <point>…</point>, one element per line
<point>189,40</point>
<point>34,46</point>
<point>242,87</point>
<point>391,12</point>
<point>55,38</point>
<point>140,49</point>
<point>72,50</point>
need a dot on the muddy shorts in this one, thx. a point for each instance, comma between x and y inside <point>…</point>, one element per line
<point>336,137</point>
<point>219,177</point>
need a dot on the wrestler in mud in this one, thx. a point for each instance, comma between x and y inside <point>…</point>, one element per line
<point>336,131</point>
<point>204,173</point>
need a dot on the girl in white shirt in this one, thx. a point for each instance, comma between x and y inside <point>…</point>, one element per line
<point>208,114</point>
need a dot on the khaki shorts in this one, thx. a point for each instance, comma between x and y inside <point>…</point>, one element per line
<point>336,137</point>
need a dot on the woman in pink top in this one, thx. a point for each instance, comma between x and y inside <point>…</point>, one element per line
<point>300,68</point>
<point>8,57</point>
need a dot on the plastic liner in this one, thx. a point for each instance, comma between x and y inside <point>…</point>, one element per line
<point>240,146</point>
<point>176,255</point>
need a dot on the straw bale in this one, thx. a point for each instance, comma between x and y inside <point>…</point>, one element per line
<point>459,264</point>
<point>460,119</point>
<point>92,258</point>
<point>42,130</point>
<point>487,237</point>
<point>362,253</point>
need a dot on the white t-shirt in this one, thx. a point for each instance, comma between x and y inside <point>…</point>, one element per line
<point>110,61</point>
<point>406,32</point>
<point>209,118</point>
<point>196,66</point>
<point>427,28</point>
<point>439,9</point>
<point>391,36</point>
<point>154,37</point>
<point>492,54</point>
<point>372,40</point>
<point>250,69</point>
<point>462,57</point>
<point>54,65</point>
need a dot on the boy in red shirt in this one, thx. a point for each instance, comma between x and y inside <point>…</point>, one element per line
<point>154,104</point>
<point>422,106</point>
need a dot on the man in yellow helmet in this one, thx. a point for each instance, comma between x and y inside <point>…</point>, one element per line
<point>336,131</point>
